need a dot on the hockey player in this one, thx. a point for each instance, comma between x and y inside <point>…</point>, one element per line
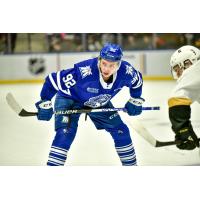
<point>92,84</point>
<point>185,67</point>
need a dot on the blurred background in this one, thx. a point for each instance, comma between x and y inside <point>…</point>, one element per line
<point>29,57</point>
<point>11,43</point>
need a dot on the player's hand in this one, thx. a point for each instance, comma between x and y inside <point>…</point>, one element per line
<point>134,106</point>
<point>45,110</point>
<point>186,139</point>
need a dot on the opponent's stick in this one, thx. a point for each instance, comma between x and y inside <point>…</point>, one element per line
<point>142,131</point>
<point>23,113</point>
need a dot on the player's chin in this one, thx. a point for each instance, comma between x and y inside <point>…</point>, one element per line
<point>106,75</point>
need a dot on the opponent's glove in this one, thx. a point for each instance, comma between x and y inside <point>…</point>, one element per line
<point>134,106</point>
<point>186,139</point>
<point>45,110</point>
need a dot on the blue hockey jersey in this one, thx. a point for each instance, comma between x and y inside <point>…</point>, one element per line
<point>84,83</point>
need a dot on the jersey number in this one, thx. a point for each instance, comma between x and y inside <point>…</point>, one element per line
<point>69,82</point>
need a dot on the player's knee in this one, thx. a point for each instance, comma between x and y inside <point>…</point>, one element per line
<point>121,134</point>
<point>64,137</point>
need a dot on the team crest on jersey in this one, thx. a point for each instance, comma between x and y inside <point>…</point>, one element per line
<point>129,70</point>
<point>98,101</point>
<point>85,71</point>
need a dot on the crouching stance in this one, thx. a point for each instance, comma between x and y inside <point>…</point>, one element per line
<point>185,67</point>
<point>92,84</point>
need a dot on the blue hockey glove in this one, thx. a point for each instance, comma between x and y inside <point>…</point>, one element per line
<point>134,106</point>
<point>45,110</point>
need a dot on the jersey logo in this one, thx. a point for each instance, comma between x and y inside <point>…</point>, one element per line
<point>85,71</point>
<point>65,119</point>
<point>113,49</point>
<point>93,90</point>
<point>98,101</point>
<point>129,70</point>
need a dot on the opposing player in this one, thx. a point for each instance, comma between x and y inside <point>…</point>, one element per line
<point>92,84</point>
<point>185,67</point>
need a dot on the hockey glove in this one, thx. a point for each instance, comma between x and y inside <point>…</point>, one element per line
<point>134,106</point>
<point>186,139</point>
<point>45,110</point>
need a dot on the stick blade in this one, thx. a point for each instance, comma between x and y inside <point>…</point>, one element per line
<point>13,103</point>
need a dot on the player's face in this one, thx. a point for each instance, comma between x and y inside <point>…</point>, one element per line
<point>108,68</point>
<point>179,70</point>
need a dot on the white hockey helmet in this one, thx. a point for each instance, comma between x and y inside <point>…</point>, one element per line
<point>182,58</point>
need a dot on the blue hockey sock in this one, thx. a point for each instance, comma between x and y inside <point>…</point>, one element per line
<point>127,155</point>
<point>57,156</point>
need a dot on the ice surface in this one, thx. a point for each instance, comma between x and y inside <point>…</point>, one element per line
<point>26,141</point>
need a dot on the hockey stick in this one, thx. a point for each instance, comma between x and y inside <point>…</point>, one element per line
<point>142,131</point>
<point>135,124</point>
<point>23,113</point>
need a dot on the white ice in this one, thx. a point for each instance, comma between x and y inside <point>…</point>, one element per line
<point>26,141</point>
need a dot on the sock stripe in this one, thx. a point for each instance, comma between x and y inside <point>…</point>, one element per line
<point>58,148</point>
<point>121,147</point>
<point>51,163</point>
<point>52,153</point>
<point>127,155</point>
<point>57,156</point>
<point>55,160</point>
<point>61,151</point>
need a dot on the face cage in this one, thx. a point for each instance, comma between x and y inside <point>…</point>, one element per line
<point>182,66</point>
<point>174,73</point>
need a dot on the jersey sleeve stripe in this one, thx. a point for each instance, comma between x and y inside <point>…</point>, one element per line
<point>58,80</point>
<point>59,84</point>
<point>53,82</point>
<point>139,83</point>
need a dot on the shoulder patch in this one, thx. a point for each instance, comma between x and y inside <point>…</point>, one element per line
<point>85,71</point>
<point>129,70</point>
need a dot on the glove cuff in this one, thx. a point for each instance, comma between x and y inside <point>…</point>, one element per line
<point>44,104</point>
<point>136,101</point>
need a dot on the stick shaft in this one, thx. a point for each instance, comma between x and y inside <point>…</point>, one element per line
<point>23,113</point>
<point>101,110</point>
